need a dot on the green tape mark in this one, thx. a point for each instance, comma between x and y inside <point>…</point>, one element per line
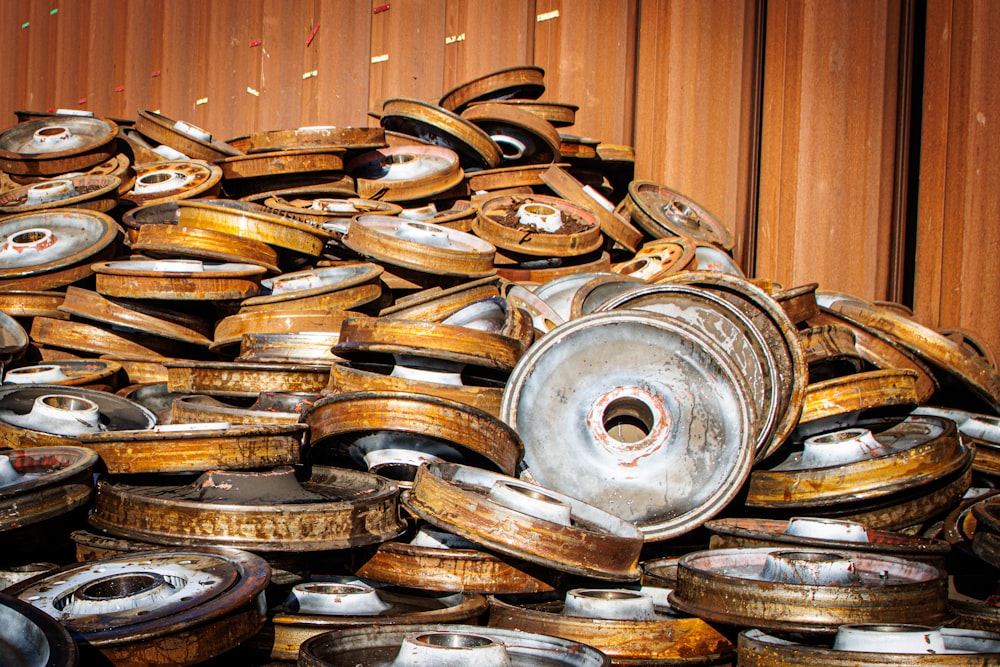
<point>53,12</point>
<point>25,24</point>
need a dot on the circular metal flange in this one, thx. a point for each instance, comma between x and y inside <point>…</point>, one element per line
<point>20,428</point>
<point>435,304</point>
<point>229,330</point>
<point>69,372</point>
<point>778,330</point>
<point>799,303</point>
<point>444,645</point>
<point>662,212</point>
<point>526,521</point>
<point>509,222</point>
<point>43,483</point>
<point>255,222</point>
<point>322,604</point>
<point>132,316</point>
<point>522,82</point>
<point>881,645</point>
<point>273,164</point>
<point>393,433</point>
<point>853,393</point>
<point>577,148</point>
<point>712,258</point>
<point>808,590</point>
<point>736,333</point>
<point>649,416</point>
<point>943,354</point>
<point>180,135</point>
<point>178,280</point>
<point>523,137</point>
<point>160,241</point>
<point>155,608</point>
<point>193,447</point>
<point>830,351</point>
<point>31,638</point>
<point>630,626</point>
<point>445,562</point>
<point>318,289</point>
<point>153,395</point>
<point>986,539</point>
<point>318,136</point>
<point>420,246</point>
<point>656,259</point>
<point>436,125</point>
<point>433,340</point>
<point>559,292</point>
<point>406,173</point>
<point>199,409</point>
<point>57,145</point>
<point>95,340</point>
<point>559,114</point>
<point>95,193</point>
<point>13,340</point>
<point>243,379</point>
<point>505,178</point>
<point>32,304</point>
<point>166,213</point>
<point>321,208</point>
<point>820,533</point>
<point>332,508</point>
<point>312,347</point>
<point>173,180</point>
<point>862,464</point>
<point>42,246</point>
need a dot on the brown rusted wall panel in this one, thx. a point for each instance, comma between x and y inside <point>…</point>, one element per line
<point>957,277</point>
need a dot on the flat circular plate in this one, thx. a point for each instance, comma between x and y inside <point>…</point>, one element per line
<point>96,193</point>
<point>437,125</point>
<point>406,173</point>
<point>47,241</point>
<point>182,136</point>
<point>57,145</point>
<point>159,182</point>
<point>523,137</point>
<point>319,136</point>
<point>524,82</point>
<point>664,212</point>
<point>498,222</point>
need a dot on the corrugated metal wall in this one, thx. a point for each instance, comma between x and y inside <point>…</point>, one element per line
<point>788,119</point>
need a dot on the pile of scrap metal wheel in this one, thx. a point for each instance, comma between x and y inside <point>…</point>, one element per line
<point>459,389</point>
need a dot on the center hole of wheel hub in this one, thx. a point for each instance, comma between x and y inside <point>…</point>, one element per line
<point>628,418</point>
<point>31,239</point>
<point>160,181</point>
<point>681,214</point>
<point>120,586</point>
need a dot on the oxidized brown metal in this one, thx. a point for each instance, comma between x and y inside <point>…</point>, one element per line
<point>435,124</point>
<point>43,483</point>
<point>194,447</point>
<point>220,378</point>
<point>229,331</point>
<point>435,304</point>
<point>92,373</point>
<point>569,536</point>
<point>177,607</point>
<point>406,173</point>
<point>986,540</point>
<point>167,240</point>
<point>255,222</point>
<point>57,145</point>
<point>321,208</point>
<point>198,409</point>
<point>79,336</point>
<point>267,164</point>
<point>612,224</point>
<point>659,637</point>
<point>339,287</point>
<point>332,508</point>
<point>173,180</point>
<point>32,638</point>
<point>352,138</point>
<point>557,113</point>
<point>152,395</point>
<point>527,271</point>
<point>94,193</point>
<point>657,259</point>
<point>799,303</point>
<point>32,304</point>
<point>577,231</point>
<point>420,246</point>
<point>522,82</point>
<point>340,423</point>
<point>830,352</point>
<point>577,148</point>
<point>140,368</point>
<point>312,347</point>
<point>182,136</point>
<point>523,137</point>
<point>808,590</point>
<point>503,178</point>
<point>661,211</point>
<point>840,396</point>
<point>289,625</point>
<point>177,280</point>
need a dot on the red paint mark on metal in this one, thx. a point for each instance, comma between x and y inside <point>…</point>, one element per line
<point>312,35</point>
<point>82,100</point>
<point>119,89</point>
<point>381,8</point>
<point>155,73</point>
<point>256,42</point>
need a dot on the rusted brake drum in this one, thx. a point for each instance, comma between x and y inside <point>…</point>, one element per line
<point>444,645</point>
<point>57,145</point>
<point>635,413</point>
<point>808,590</point>
<point>31,638</point>
<point>629,625</point>
<point>155,608</point>
<point>877,645</point>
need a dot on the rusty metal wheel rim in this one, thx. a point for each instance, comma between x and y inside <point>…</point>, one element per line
<point>160,182</point>
<point>243,379</point>
<point>161,241</point>
<point>539,241</point>
<point>98,193</point>
<point>179,280</point>
<point>406,173</point>
<point>522,82</point>
<point>229,330</point>
<point>282,163</point>
<point>43,483</point>
<point>661,211</point>
<point>589,400</point>
<point>435,304</point>
<point>758,587</point>
<point>57,145</point>
<point>429,122</point>
<point>840,396</point>
<point>652,262</point>
<point>322,209</point>
<point>830,351</point>
<point>299,285</point>
<point>591,542</point>
<point>558,113</point>
<point>13,340</point>
<point>65,372</point>
<point>255,222</point>
<point>523,137</point>
<point>38,303</point>
<point>311,347</point>
<point>323,521</point>
<point>319,136</point>
<point>182,136</point>
<point>48,241</point>
<point>32,638</point>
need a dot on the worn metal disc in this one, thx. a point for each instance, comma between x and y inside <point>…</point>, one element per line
<point>298,289</point>
<point>575,230</point>
<point>445,645</point>
<point>886,645</point>
<point>189,139</point>
<point>229,330</point>
<point>393,433</point>
<point>201,409</point>
<point>155,608</point>
<point>243,379</point>
<point>282,163</point>
<point>661,212</point>
<point>420,246</point>
<point>872,460</point>
<point>318,136</point>
<point>523,137</point>
<point>264,512</point>
<point>322,208</point>
<point>435,124</point>
<point>522,82</point>
<point>255,222</point>
<point>526,521</point>
<point>43,483</point>
<point>630,626</point>
<point>577,148</point>
<point>323,604</point>
<point>857,392</point>
<point>161,241</point>
<point>313,347</point>
<point>32,304</point>
<point>558,113</point>
<point>808,590</point>
<point>95,193</point>
<point>406,173</point>
<point>46,242</point>
<point>178,279</point>
<point>799,302</point>
<point>70,372</point>
<point>434,304</point>
<point>503,178</point>
<point>31,638</point>
<point>97,340</point>
<point>57,145</point>
<point>172,180</point>
<point>648,416</point>
<point>831,352</point>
